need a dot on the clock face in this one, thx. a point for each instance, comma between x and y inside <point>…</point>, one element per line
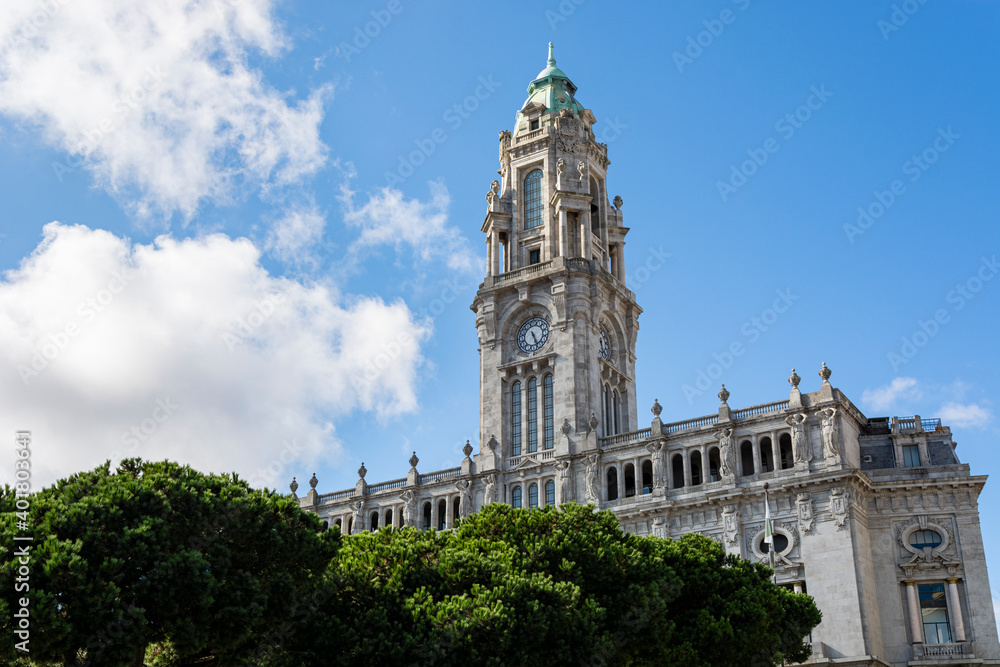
<point>532,335</point>
<point>604,348</point>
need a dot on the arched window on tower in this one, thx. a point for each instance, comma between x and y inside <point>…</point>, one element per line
<point>515,498</point>
<point>647,476</point>
<point>785,446</point>
<point>612,483</point>
<point>606,411</point>
<point>629,480</point>
<point>374,522</point>
<point>515,419</point>
<point>442,513</point>
<point>714,463</point>
<point>746,457</point>
<point>533,206</point>
<point>388,517</point>
<point>550,492</point>
<point>595,212</point>
<point>677,465</point>
<point>427,516</point>
<point>533,496</point>
<point>766,455</point>
<point>547,417</point>
<point>456,510</point>
<point>695,467</point>
<point>616,425</point>
<point>532,415</point>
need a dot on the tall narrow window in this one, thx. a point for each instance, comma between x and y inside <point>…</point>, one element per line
<point>604,411</point>
<point>612,484</point>
<point>515,419</point>
<point>533,496</point>
<point>533,199</point>
<point>615,424</point>
<point>911,456</point>
<point>647,476</point>
<point>934,613</point>
<point>607,411</point>
<point>532,415</point>
<point>629,480</point>
<point>677,467</point>
<point>550,438</point>
<point>515,498</point>
<point>550,492</point>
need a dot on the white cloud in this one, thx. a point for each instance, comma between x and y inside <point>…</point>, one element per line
<point>887,396</point>
<point>193,347</point>
<point>965,416</point>
<point>155,99</point>
<point>291,236</point>
<point>389,219</point>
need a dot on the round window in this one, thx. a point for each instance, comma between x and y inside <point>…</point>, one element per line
<point>780,543</point>
<point>925,538</point>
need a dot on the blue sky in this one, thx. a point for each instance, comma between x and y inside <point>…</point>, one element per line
<point>248,166</point>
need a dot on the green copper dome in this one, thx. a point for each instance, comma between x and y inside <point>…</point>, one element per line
<point>552,89</point>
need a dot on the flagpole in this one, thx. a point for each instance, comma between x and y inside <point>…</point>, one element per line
<point>768,535</point>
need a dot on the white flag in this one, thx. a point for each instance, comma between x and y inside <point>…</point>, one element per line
<point>767,523</point>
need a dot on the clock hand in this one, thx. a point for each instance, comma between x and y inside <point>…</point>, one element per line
<point>530,337</point>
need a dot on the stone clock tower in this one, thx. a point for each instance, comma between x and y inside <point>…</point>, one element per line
<point>557,325</point>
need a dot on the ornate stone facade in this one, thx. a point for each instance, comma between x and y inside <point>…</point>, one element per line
<point>873,517</point>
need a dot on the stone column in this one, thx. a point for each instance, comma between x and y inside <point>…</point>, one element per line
<point>448,517</point>
<point>916,626</point>
<point>955,607</point>
<point>494,253</point>
<point>434,513</point>
<point>705,467</point>
<point>620,260</point>
<point>584,234</point>
<point>687,468</point>
<point>755,449</point>
<point>563,229</point>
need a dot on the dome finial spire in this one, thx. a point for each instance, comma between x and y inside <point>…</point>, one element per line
<point>552,55</point>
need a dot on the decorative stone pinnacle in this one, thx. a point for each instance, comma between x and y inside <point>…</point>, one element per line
<point>825,373</point>
<point>294,486</point>
<point>724,394</point>
<point>313,482</point>
<point>414,460</point>
<point>566,427</point>
<point>467,450</point>
<point>362,471</point>
<point>794,379</point>
<point>552,55</point>
<point>657,408</point>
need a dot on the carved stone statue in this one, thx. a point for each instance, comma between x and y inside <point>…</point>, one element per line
<point>657,450</point>
<point>465,498</point>
<point>490,496</point>
<point>593,485</point>
<point>727,452</point>
<point>409,499</point>
<point>358,513</point>
<point>831,448</point>
<point>581,168</point>
<point>565,481</point>
<point>560,166</point>
<point>800,442</point>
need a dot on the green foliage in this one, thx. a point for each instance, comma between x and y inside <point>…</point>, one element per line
<point>159,565</point>
<point>157,553</point>
<point>546,586</point>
